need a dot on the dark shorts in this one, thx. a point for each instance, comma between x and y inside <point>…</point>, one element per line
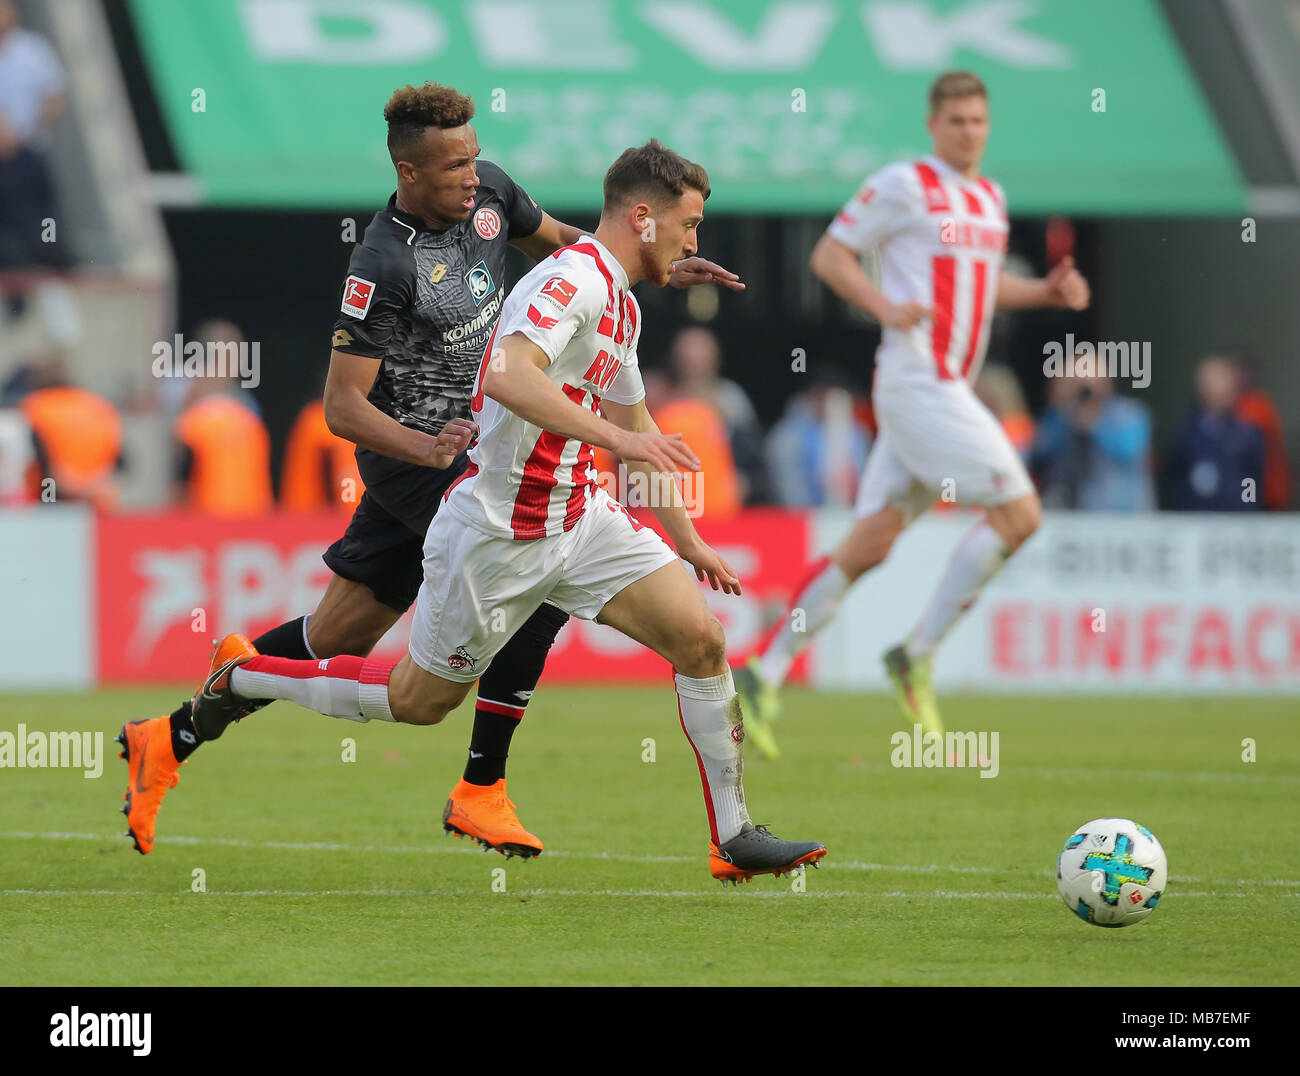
<point>383,547</point>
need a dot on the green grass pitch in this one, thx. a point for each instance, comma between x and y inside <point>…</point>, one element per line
<point>323,871</point>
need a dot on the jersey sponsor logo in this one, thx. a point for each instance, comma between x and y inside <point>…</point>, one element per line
<point>342,338</point>
<point>437,273</point>
<point>357,294</point>
<point>480,282</point>
<point>535,316</point>
<point>559,291</point>
<point>487,223</point>
<point>476,325</point>
<point>602,372</point>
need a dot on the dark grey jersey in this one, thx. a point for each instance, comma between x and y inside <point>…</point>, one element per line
<point>426,302</point>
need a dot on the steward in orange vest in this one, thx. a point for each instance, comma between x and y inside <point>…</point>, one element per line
<point>320,468</point>
<point>78,442</point>
<point>225,465</point>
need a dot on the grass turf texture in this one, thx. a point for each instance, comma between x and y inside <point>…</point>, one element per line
<point>320,871</point>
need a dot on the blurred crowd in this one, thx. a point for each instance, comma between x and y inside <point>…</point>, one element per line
<point>1091,447</point>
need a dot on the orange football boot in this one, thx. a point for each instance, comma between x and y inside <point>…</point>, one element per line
<point>755,850</point>
<point>215,705</point>
<point>150,774</point>
<point>485,814</point>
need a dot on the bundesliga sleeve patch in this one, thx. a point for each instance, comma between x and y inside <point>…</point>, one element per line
<point>559,291</point>
<point>357,295</point>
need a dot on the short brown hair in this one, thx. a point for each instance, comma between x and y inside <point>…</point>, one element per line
<point>413,108</point>
<point>654,172</point>
<point>955,84</point>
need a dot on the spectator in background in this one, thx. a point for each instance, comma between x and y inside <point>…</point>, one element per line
<point>1256,409</point>
<point>999,391</point>
<point>224,461</point>
<point>320,468</point>
<point>1092,449</point>
<point>695,362</point>
<point>76,439</point>
<point>1216,461</point>
<point>816,451</point>
<point>31,98</point>
<point>715,491</point>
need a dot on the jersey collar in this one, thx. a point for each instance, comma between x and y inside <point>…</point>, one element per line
<point>945,169</point>
<point>410,220</point>
<point>611,263</point>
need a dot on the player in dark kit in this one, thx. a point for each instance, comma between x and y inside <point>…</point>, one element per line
<point>422,296</point>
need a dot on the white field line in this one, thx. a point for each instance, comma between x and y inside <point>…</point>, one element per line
<point>782,893</point>
<point>461,848</point>
<point>1053,772</point>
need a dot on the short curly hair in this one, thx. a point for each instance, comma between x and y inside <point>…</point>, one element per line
<point>413,108</point>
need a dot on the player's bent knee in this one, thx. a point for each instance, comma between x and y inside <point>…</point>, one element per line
<point>705,653</point>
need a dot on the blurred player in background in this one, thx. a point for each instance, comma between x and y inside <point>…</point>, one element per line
<point>422,296</point>
<point>942,232</point>
<point>527,522</point>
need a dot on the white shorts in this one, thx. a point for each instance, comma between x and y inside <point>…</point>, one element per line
<point>479,588</point>
<point>937,440</point>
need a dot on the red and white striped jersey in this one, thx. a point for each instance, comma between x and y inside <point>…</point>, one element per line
<point>942,240</point>
<point>523,481</point>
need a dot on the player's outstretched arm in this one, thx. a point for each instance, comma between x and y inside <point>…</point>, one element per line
<point>550,236</point>
<point>836,265</point>
<point>1064,287</point>
<point>350,415</point>
<point>512,375</point>
<point>553,234</point>
<point>668,505</point>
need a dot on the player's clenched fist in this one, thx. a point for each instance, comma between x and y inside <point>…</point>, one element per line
<point>665,452</point>
<point>454,438</point>
<point>709,565</point>
<point>903,315</point>
<point>1067,287</point>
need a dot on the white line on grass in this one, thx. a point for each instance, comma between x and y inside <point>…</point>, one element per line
<point>458,847</point>
<point>936,894</point>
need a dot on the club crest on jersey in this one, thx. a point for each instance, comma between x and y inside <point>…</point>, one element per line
<point>559,291</point>
<point>461,660</point>
<point>357,294</point>
<point>487,223</point>
<point>480,282</point>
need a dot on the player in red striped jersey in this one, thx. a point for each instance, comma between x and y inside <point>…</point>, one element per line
<point>941,229</point>
<point>526,523</point>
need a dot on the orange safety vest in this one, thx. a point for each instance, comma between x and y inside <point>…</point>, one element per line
<point>320,468</point>
<point>231,475</point>
<point>81,434</point>
<point>716,487</point>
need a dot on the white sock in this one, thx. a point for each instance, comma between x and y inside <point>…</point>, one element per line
<point>813,607</point>
<point>974,562</point>
<point>710,713</point>
<point>346,686</point>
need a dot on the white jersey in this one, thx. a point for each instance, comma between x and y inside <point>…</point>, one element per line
<point>942,240</point>
<point>523,481</point>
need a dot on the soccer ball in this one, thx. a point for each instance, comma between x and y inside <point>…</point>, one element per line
<point>1111,872</point>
